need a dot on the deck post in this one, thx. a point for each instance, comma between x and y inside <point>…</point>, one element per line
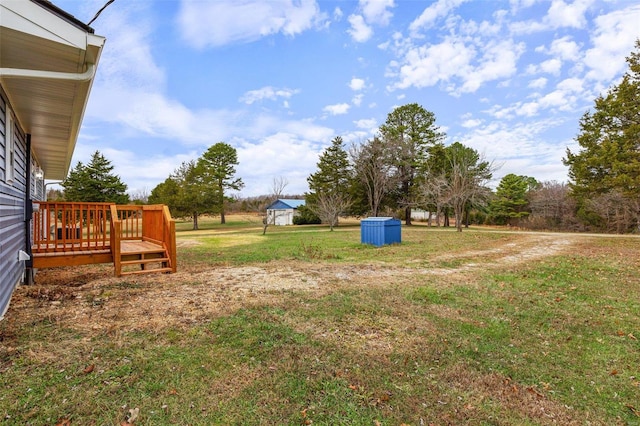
<point>116,231</point>
<point>171,238</point>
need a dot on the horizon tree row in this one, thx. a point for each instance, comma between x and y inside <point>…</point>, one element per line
<point>405,166</point>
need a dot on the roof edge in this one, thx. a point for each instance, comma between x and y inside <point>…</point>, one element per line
<point>46,4</point>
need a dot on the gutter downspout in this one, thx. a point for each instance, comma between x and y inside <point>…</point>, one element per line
<point>28,215</point>
<point>49,75</point>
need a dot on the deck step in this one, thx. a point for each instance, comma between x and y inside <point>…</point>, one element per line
<point>145,253</point>
<point>147,271</point>
<point>143,261</point>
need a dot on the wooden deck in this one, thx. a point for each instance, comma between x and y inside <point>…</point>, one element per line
<point>136,239</point>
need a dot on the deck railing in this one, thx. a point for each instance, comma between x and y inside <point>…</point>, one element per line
<point>70,227</point>
<point>63,227</point>
<point>132,220</point>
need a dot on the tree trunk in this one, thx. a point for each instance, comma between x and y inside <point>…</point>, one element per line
<point>407,212</point>
<point>459,211</point>
<point>195,221</point>
<point>222,219</point>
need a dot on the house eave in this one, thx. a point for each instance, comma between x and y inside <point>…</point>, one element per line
<point>47,69</point>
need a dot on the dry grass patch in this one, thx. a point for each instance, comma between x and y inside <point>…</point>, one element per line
<point>506,330</point>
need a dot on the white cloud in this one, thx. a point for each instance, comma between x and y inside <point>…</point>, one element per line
<point>432,13</point>
<point>551,66</point>
<point>504,143</point>
<point>337,109</point>
<point>357,99</point>
<point>280,154</point>
<point>453,62</point>
<point>521,4</point>
<point>572,85</point>
<point>565,48</point>
<point>356,84</point>
<point>127,164</point>
<point>376,11</point>
<point>499,61</point>
<point>562,15</point>
<point>613,39</point>
<point>337,14</point>
<point>559,15</point>
<point>538,83</point>
<point>359,30</point>
<point>267,92</point>
<point>424,66</point>
<point>220,22</point>
<point>366,123</point>
<point>373,12</point>
<point>127,58</point>
<point>471,123</point>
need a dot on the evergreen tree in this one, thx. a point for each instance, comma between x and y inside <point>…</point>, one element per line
<point>185,194</point>
<point>330,185</point>
<point>334,170</point>
<point>510,203</point>
<point>95,182</point>
<point>409,132</point>
<point>216,170</point>
<point>609,160</point>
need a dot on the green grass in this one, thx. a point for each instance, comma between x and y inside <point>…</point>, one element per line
<point>550,341</point>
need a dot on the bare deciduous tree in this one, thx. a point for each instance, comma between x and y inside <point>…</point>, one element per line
<point>434,191</point>
<point>552,207</point>
<point>330,206</point>
<point>619,213</point>
<point>467,176</point>
<point>140,195</point>
<point>373,169</point>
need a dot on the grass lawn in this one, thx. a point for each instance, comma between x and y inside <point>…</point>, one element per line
<point>305,326</point>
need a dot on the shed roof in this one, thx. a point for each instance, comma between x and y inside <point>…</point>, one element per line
<point>284,203</point>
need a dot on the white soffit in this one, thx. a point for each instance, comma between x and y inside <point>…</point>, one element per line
<point>29,18</point>
<point>37,45</point>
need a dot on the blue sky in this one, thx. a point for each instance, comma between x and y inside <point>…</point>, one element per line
<point>278,79</point>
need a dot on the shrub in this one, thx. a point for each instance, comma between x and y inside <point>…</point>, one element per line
<point>306,217</point>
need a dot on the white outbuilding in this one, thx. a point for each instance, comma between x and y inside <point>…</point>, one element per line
<point>282,211</point>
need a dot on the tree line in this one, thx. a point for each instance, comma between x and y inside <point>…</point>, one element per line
<point>407,166</point>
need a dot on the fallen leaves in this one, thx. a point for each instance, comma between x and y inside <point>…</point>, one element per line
<point>305,419</point>
<point>133,416</point>
<point>89,369</point>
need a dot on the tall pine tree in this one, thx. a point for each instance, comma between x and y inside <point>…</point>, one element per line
<point>95,182</point>
<point>330,185</point>
<point>510,203</point>
<point>409,131</point>
<point>216,169</point>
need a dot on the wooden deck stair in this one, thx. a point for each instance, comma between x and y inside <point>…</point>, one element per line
<point>143,257</point>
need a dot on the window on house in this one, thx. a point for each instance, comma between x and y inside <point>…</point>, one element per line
<point>10,153</point>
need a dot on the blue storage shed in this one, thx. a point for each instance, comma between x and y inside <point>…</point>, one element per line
<point>379,231</point>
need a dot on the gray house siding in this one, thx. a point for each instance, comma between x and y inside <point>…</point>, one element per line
<point>12,208</point>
